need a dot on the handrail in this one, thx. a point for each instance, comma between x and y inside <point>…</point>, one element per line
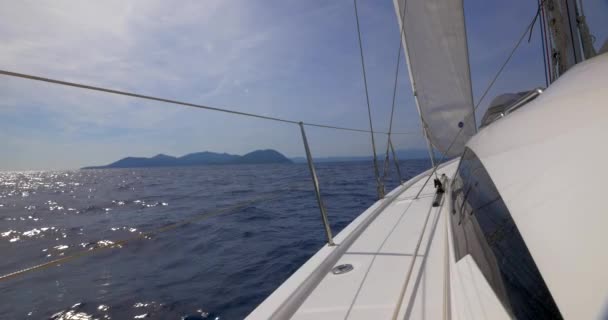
<point>523,100</point>
<point>501,110</point>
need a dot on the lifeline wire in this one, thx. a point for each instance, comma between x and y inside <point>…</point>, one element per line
<point>188,104</point>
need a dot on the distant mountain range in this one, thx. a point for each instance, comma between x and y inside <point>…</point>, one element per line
<point>255,157</point>
<point>198,159</point>
<point>401,155</point>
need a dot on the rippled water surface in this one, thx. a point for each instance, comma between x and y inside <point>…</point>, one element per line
<point>150,243</point>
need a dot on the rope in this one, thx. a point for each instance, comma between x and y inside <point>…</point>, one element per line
<point>83,253</point>
<point>380,187</point>
<point>414,256</point>
<point>502,67</point>
<point>534,20</point>
<point>188,104</point>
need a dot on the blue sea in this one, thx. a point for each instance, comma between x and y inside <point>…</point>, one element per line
<point>233,234</point>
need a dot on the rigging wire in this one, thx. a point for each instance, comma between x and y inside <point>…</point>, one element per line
<point>547,42</point>
<point>119,244</point>
<point>380,187</point>
<point>542,41</point>
<point>390,125</point>
<point>540,5</point>
<point>490,85</point>
<point>576,58</point>
<point>502,67</point>
<point>188,104</point>
<point>395,160</point>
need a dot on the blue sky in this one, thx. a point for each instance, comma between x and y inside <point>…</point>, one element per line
<point>287,58</point>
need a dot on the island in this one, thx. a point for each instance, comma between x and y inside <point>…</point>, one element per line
<point>199,159</point>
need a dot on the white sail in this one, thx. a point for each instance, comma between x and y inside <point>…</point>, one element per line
<point>435,44</point>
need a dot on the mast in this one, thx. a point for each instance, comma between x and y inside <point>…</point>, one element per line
<point>572,41</point>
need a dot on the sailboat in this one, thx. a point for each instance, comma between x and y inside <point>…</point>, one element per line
<point>512,225</point>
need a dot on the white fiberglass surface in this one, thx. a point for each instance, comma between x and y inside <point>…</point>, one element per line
<point>388,255</point>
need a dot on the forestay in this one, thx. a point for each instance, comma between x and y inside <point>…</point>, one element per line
<point>435,44</point>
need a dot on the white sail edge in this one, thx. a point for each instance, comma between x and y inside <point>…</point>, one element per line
<point>435,46</point>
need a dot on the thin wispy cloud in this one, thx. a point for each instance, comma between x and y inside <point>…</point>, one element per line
<point>292,59</point>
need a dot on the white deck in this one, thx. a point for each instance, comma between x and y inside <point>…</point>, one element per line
<point>387,246</point>
<point>382,257</point>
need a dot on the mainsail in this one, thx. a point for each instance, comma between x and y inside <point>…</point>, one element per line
<point>435,43</point>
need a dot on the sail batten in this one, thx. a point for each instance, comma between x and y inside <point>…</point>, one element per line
<point>436,50</point>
